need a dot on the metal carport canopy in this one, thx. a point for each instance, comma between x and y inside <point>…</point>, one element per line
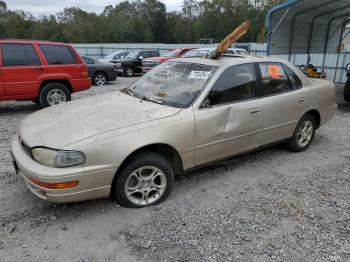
<point>306,26</point>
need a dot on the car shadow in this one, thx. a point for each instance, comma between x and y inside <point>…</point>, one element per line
<point>344,107</point>
<point>231,163</point>
<point>18,107</point>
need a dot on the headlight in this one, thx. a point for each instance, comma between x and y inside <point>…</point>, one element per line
<point>45,156</point>
<point>69,158</point>
<point>60,159</point>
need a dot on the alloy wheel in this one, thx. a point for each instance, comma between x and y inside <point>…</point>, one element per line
<point>129,71</point>
<point>100,80</point>
<point>145,185</point>
<point>305,133</point>
<point>56,97</point>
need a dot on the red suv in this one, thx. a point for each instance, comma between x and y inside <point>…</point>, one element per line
<point>149,63</point>
<point>44,72</point>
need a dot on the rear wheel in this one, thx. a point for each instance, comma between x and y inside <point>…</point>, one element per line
<point>303,135</point>
<point>54,94</point>
<point>147,180</point>
<point>129,71</point>
<point>99,79</point>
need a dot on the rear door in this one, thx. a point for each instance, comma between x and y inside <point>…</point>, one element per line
<point>62,61</point>
<point>2,89</point>
<point>283,101</point>
<point>21,69</point>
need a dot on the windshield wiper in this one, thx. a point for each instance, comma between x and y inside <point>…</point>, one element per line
<point>147,98</point>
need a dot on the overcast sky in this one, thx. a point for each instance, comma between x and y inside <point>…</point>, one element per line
<point>45,7</point>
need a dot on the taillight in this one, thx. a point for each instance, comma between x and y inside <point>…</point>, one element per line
<point>84,74</point>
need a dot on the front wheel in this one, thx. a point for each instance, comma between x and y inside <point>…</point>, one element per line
<point>303,135</point>
<point>54,94</point>
<point>129,71</point>
<point>147,180</point>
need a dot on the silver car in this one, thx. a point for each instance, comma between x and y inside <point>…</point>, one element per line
<point>183,114</point>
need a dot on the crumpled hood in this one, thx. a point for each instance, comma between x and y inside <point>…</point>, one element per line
<point>62,125</point>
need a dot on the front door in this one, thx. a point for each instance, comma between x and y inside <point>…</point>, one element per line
<point>230,119</point>
<point>21,69</point>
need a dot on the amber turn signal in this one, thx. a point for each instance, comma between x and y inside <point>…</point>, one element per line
<point>85,74</point>
<point>64,185</point>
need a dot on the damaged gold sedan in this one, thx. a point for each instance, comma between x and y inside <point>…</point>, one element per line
<point>183,114</point>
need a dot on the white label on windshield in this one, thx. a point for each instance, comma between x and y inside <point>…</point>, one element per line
<point>199,75</point>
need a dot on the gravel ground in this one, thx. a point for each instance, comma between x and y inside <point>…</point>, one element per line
<point>271,205</point>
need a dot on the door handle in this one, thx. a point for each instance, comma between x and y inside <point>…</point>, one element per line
<point>301,101</point>
<point>38,69</point>
<point>255,112</point>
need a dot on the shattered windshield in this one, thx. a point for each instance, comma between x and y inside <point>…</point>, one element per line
<point>132,55</point>
<point>110,56</point>
<point>174,84</point>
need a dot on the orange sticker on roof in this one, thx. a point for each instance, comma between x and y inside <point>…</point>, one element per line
<point>274,71</point>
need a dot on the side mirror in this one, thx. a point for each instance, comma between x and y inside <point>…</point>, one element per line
<point>140,57</point>
<point>206,103</point>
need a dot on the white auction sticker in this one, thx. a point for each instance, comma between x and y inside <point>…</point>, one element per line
<point>199,75</point>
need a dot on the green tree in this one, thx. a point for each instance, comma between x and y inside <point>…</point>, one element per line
<point>140,21</point>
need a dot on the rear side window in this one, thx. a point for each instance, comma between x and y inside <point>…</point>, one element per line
<point>88,60</point>
<point>295,80</point>
<point>58,55</point>
<point>120,55</point>
<point>19,55</point>
<point>237,83</point>
<point>275,79</point>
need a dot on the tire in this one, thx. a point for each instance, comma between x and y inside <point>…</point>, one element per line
<point>129,71</point>
<point>99,79</point>
<point>36,101</point>
<point>347,93</point>
<point>301,140</point>
<point>54,94</point>
<point>136,179</point>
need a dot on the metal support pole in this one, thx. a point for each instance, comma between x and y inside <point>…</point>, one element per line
<point>328,37</point>
<point>279,22</point>
<point>340,42</point>
<point>342,67</point>
<point>293,24</point>
<point>313,23</point>
<point>272,32</point>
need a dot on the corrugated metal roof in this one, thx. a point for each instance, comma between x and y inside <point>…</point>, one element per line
<point>306,26</point>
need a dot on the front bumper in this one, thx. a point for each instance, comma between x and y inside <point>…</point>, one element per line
<point>146,69</point>
<point>94,182</point>
<point>112,75</point>
<point>119,69</point>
